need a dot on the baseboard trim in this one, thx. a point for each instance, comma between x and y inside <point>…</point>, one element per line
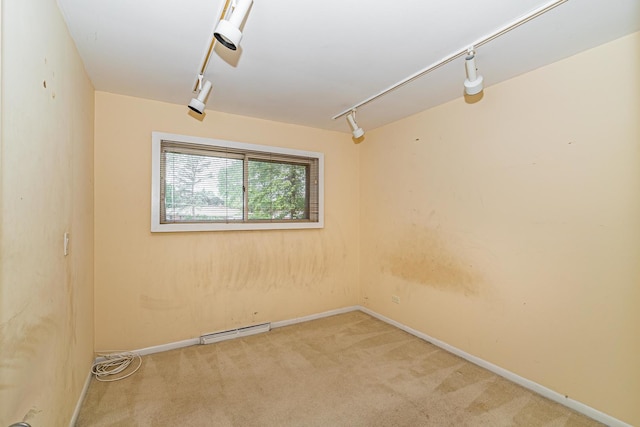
<point>524,382</point>
<point>83,394</point>
<point>317,316</point>
<point>196,341</point>
<point>166,347</point>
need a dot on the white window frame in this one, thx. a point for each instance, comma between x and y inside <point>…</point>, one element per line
<point>157,226</point>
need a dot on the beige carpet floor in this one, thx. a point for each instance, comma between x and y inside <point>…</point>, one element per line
<point>345,370</point>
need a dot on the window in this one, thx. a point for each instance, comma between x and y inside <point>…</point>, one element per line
<point>202,184</point>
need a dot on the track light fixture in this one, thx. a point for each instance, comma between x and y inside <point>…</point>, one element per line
<point>355,129</point>
<point>228,30</point>
<point>474,83</point>
<point>197,104</point>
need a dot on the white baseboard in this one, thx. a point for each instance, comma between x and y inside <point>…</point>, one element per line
<point>166,347</point>
<point>150,350</point>
<point>524,382</point>
<point>329,313</point>
<point>195,341</point>
<point>83,393</point>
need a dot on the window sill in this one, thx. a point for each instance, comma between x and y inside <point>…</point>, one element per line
<point>238,226</point>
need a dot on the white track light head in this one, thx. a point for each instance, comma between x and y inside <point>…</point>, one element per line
<point>228,30</point>
<point>474,83</point>
<point>198,104</point>
<point>355,129</point>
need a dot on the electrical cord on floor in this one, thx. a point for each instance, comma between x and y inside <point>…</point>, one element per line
<point>114,364</point>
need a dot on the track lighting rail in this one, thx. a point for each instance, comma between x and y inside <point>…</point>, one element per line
<point>212,44</point>
<point>227,32</point>
<point>457,54</point>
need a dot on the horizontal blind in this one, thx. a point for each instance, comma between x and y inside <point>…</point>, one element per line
<point>200,185</point>
<point>313,182</point>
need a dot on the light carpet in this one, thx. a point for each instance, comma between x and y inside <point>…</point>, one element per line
<point>345,370</point>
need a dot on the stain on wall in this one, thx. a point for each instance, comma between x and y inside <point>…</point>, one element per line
<point>160,304</point>
<point>431,257</point>
<point>20,342</point>
<point>274,261</point>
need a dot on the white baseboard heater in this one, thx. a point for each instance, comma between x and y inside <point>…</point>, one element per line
<point>235,333</point>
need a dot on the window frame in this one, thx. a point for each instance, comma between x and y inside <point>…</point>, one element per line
<point>157,226</point>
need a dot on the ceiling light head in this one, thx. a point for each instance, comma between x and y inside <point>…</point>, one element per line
<point>198,104</point>
<point>474,83</point>
<point>228,30</point>
<point>356,130</point>
<point>228,35</point>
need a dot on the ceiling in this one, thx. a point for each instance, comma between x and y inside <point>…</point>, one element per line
<point>304,62</point>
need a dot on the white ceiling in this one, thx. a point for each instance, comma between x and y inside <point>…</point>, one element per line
<point>303,62</point>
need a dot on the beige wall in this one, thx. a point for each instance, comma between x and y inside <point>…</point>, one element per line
<point>46,299</point>
<point>510,229</point>
<point>157,288</point>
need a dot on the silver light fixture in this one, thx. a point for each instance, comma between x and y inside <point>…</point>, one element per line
<point>356,130</point>
<point>474,83</point>
<point>197,104</point>
<point>228,30</point>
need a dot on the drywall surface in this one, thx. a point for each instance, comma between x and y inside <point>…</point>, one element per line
<point>166,287</point>
<point>46,298</point>
<point>510,227</point>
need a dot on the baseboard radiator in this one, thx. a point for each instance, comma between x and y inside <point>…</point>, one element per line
<point>235,333</point>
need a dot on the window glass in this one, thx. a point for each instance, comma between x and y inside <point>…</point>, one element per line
<point>202,184</point>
